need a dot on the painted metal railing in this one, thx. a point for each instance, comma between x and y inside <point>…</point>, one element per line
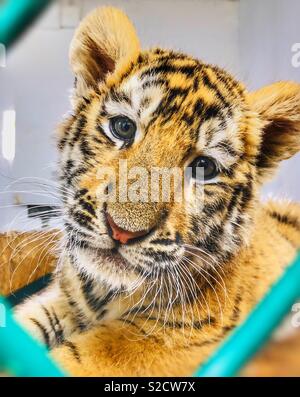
<point>20,354</point>
<point>16,16</point>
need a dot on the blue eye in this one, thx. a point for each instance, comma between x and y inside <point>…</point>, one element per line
<point>210,169</point>
<point>123,128</point>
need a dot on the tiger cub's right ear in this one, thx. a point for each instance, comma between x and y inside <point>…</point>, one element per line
<point>103,40</point>
<point>278,107</point>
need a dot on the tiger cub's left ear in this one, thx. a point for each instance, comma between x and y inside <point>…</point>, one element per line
<point>278,106</point>
<point>104,41</point>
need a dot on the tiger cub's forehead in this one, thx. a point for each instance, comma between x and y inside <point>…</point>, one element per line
<point>135,99</point>
<point>169,88</point>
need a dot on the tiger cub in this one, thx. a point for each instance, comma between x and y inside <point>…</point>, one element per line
<point>167,246</point>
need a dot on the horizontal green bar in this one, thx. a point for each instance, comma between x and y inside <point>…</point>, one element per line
<point>248,338</point>
<point>20,354</point>
<point>16,16</point>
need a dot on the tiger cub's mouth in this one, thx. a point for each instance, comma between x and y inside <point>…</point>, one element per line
<point>116,258</point>
<point>109,255</point>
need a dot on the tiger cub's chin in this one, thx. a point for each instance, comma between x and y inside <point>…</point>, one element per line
<point>107,267</point>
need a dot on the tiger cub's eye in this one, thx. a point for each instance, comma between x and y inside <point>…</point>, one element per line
<point>207,164</point>
<point>123,128</point>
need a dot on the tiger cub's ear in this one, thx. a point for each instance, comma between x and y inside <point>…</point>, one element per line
<point>104,39</point>
<point>278,106</point>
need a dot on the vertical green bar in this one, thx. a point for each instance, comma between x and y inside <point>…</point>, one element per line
<point>16,16</point>
<point>247,339</point>
<point>20,354</point>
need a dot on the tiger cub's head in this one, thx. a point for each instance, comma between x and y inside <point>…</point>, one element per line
<point>162,155</point>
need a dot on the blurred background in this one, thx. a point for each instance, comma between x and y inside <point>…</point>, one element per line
<point>258,41</point>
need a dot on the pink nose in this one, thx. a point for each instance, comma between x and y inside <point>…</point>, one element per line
<point>123,235</point>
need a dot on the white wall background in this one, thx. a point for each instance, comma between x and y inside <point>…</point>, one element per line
<point>267,31</point>
<point>250,38</point>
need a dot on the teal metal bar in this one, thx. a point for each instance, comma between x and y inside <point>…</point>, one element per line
<point>16,16</point>
<point>247,339</point>
<point>20,354</point>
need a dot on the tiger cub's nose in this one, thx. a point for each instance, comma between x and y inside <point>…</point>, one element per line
<point>123,235</point>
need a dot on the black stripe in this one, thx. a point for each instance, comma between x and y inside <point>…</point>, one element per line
<point>236,309</point>
<point>87,207</point>
<point>180,324</point>
<point>86,100</point>
<point>210,112</point>
<point>86,149</point>
<point>195,224</point>
<point>70,228</point>
<point>67,130</point>
<point>247,195</point>
<point>119,97</point>
<point>229,172</point>
<point>58,333</point>
<point>165,67</point>
<point>94,302</point>
<point>205,342</point>
<point>214,207</point>
<point>43,330</point>
<point>236,194</point>
<point>81,123</point>
<point>158,82</point>
<point>228,328</point>
<point>162,241</point>
<point>73,348</point>
<point>173,93</point>
<point>188,119</point>
<point>225,144</point>
<point>158,256</point>
<point>199,107</point>
<point>80,193</point>
<point>76,312</point>
<point>77,172</point>
<point>284,218</point>
<point>82,219</point>
<point>129,322</point>
<point>229,83</point>
<point>224,103</point>
<point>137,309</point>
<point>212,242</point>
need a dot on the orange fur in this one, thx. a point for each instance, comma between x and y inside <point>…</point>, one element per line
<point>25,257</point>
